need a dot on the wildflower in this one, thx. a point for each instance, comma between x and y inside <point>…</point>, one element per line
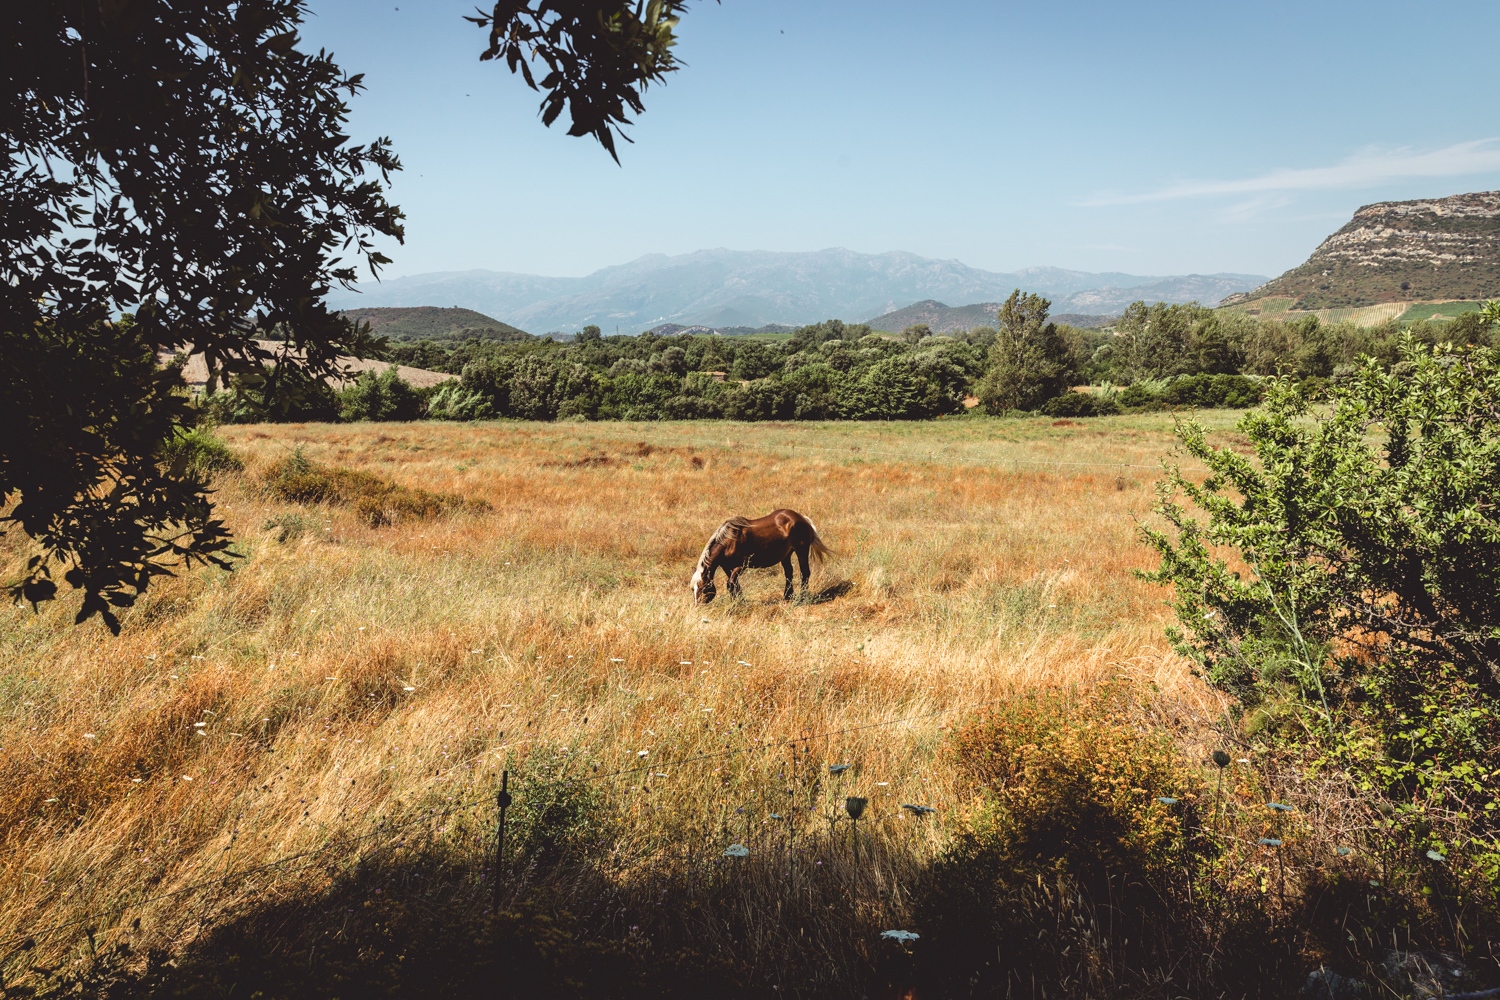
<point>1270,842</point>
<point>1279,807</point>
<point>187,777</point>
<point>855,806</point>
<point>617,659</point>
<point>408,689</point>
<point>642,753</point>
<point>1244,760</point>
<point>1343,851</point>
<point>684,663</point>
<point>902,936</point>
<point>1166,800</point>
<point>199,725</point>
<point>775,815</point>
<point>1221,759</point>
<point>1435,856</point>
<point>90,736</point>
<point>742,663</point>
<point>838,768</point>
<point>918,810</point>
<point>736,851</point>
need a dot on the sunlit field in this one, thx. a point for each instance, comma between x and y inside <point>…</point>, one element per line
<point>347,678</point>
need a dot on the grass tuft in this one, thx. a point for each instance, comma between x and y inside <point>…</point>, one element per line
<point>378,502</point>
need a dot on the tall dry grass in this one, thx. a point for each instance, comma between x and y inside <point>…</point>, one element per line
<point>345,678</point>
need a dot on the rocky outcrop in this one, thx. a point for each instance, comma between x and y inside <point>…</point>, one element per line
<point>1433,249</point>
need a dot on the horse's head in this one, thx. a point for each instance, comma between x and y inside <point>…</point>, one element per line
<point>703,587</point>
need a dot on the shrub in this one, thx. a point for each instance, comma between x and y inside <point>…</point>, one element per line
<point>1072,877</point>
<point>279,396</point>
<point>386,396</point>
<point>453,402</point>
<point>1208,391</point>
<point>378,501</point>
<point>199,453</point>
<point>1344,585</point>
<point>1081,404</point>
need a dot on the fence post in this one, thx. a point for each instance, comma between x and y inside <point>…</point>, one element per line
<point>503,800</point>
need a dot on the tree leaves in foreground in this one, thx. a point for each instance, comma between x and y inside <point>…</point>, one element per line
<point>187,163</point>
<point>599,57</point>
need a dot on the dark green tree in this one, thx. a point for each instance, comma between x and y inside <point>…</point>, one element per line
<point>188,163</point>
<point>1029,361</point>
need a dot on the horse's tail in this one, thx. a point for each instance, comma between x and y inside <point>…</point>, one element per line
<point>818,550</point>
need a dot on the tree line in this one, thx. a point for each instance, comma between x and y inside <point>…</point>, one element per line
<point>1155,357</point>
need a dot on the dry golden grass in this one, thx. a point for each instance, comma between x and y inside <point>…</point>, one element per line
<point>345,675</point>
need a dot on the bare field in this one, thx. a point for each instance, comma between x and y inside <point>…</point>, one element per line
<point>346,676</point>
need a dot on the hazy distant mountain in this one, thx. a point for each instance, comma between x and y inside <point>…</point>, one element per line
<point>736,288</point>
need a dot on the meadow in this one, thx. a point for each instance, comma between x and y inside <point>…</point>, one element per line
<point>351,692</point>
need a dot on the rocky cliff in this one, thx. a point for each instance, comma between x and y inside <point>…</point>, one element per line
<point>1400,251</point>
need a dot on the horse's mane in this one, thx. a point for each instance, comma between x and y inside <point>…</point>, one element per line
<point>728,531</point>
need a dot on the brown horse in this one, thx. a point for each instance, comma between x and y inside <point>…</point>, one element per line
<point>742,543</point>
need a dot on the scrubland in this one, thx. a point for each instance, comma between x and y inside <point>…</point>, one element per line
<point>301,755</point>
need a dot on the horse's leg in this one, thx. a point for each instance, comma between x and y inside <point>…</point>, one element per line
<point>734,581</point>
<point>804,567</point>
<point>786,567</point>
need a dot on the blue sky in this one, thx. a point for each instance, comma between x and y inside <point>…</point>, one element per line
<point>1154,138</point>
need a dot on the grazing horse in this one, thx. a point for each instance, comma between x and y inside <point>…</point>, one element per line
<point>742,543</point>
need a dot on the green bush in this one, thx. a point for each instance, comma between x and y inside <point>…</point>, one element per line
<point>1081,404</point>
<point>453,402</point>
<point>1344,585</point>
<point>386,396</point>
<point>279,396</point>
<point>1205,391</point>
<point>198,453</point>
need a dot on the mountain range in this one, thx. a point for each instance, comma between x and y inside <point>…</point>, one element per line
<point>737,288</point>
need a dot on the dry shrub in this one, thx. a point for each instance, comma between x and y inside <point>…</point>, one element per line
<point>378,502</point>
<point>1082,870</point>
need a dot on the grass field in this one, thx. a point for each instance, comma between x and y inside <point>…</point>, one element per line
<point>346,676</point>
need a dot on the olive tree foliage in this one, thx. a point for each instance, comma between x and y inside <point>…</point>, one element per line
<point>1361,536</point>
<point>187,165</point>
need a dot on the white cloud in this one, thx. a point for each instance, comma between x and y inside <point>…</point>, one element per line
<point>1367,168</point>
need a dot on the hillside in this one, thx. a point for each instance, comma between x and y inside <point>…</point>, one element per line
<point>732,288</point>
<point>433,323</point>
<point>950,319</point>
<point>1396,252</point>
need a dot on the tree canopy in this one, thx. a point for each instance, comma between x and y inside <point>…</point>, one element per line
<point>187,165</point>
